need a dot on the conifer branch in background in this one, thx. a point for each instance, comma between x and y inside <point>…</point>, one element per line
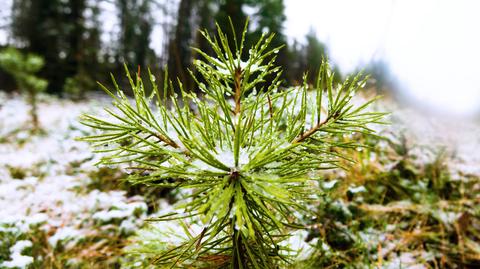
<point>248,151</point>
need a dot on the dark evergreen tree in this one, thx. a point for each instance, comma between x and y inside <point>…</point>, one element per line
<point>57,31</point>
<point>307,59</point>
<point>314,51</point>
<point>296,63</point>
<point>268,17</point>
<point>232,10</point>
<point>135,30</point>
<point>35,25</point>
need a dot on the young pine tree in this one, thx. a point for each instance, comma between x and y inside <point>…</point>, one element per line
<point>23,67</point>
<point>249,152</point>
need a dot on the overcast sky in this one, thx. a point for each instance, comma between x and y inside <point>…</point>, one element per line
<point>432,46</point>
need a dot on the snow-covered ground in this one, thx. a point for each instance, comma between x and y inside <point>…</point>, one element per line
<point>43,176</point>
<point>43,179</point>
<point>458,136</point>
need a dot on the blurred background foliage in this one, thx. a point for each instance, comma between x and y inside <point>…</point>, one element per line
<point>68,35</point>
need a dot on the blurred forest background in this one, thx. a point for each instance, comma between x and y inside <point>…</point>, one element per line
<point>68,35</point>
<point>410,197</point>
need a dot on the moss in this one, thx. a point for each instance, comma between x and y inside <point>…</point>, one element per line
<point>17,172</point>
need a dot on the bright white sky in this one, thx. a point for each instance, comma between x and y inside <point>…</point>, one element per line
<point>432,46</point>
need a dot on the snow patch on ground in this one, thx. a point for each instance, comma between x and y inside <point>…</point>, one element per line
<point>52,195</point>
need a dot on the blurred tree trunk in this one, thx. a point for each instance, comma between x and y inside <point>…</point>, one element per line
<point>36,25</point>
<point>74,36</point>
<point>135,30</point>
<point>179,50</point>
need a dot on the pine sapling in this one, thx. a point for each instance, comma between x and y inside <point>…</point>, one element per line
<point>248,150</point>
<point>23,67</point>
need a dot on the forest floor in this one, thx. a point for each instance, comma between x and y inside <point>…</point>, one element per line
<point>458,135</point>
<point>57,205</point>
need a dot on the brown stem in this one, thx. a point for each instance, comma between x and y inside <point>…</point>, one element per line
<point>33,109</point>
<point>238,255</point>
<point>311,131</point>
<point>167,141</point>
<point>140,168</point>
<point>270,107</point>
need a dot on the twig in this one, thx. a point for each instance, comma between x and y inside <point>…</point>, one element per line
<point>166,140</point>
<point>270,107</point>
<point>238,89</point>
<point>310,132</point>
